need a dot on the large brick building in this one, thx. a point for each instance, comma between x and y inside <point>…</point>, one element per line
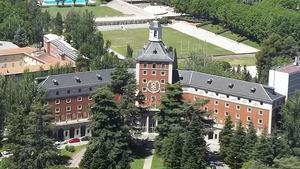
<point>68,94</point>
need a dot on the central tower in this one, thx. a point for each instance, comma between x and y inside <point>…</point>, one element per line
<point>154,67</point>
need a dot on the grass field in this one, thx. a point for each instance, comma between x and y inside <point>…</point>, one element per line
<point>66,153</point>
<point>98,11</point>
<point>230,35</point>
<point>137,164</point>
<point>157,162</point>
<point>248,61</point>
<point>183,43</point>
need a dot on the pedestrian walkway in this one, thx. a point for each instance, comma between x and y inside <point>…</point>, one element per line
<point>212,38</point>
<point>148,161</point>
<point>75,160</point>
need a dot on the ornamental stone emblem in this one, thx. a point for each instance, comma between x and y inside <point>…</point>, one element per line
<point>153,86</point>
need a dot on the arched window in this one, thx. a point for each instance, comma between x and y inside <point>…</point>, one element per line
<point>155,34</point>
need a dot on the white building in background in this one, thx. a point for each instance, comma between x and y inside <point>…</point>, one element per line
<point>286,79</point>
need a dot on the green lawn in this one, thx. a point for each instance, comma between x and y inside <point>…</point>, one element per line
<point>137,164</point>
<point>183,43</point>
<point>212,28</point>
<point>66,153</point>
<point>248,61</point>
<point>98,11</point>
<point>157,162</point>
<point>228,34</point>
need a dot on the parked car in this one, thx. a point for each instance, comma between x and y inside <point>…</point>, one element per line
<point>74,140</point>
<point>6,153</point>
<point>85,138</point>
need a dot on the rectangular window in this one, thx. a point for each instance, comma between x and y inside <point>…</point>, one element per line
<point>227,105</point>
<point>248,118</point>
<point>260,121</point>
<point>210,135</point>
<point>260,112</point>
<point>216,111</point>
<point>90,98</point>
<point>57,110</point>
<point>68,108</point>
<point>162,81</point>
<point>153,72</point>
<point>144,80</point>
<point>79,99</point>
<point>68,100</point>
<point>163,66</point>
<point>57,101</point>
<point>249,110</point>
<point>226,113</point>
<point>153,66</point>
<point>145,65</point>
<point>145,72</point>
<point>163,73</point>
<point>216,102</point>
<point>153,98</point>
<point>144,89</point>
<point>205,108</point>
<point>238,116</point>
<point>238,107</point>
<point>79,107</point>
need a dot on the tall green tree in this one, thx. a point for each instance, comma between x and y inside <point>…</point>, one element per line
<point>263,150</point>
<point>36,150</point>
<point>2,107</point>
<point>290,119</point>
<point>58,24</point>
<point>194,147</point>
<point>170,114</point>
<point>236,155</point>
<point>225,136</point>
<point>171,151</point>
<point>109,135</point>
<point>251,139</point>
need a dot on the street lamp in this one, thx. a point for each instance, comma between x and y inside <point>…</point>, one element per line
<point>235,162</point>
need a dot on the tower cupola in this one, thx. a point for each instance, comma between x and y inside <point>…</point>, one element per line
<point>155,33</point>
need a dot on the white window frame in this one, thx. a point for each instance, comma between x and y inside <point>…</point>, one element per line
<point>216,111</point>
<point>79,98</point>
<point>144,80</point>
<point>144,72</point>
<point>162,81</point>
<point>227,104</point>
<point>260,112</point>
<point>90,98</point>
<point>238,116</point>
<point>249,118</point>
<point>145,65</point>
<point>68,100</point>
<point>79,107</point>
<point>238,107</point>
<point>57,110</point>
<point>153,72</point>
<point>163,73</point>
<point>216,102</point>
<point>227,113</point>
<point>144,89</point>
<point>68,108</point>
<point>249,109</point>
<point>57,101</point>
<point>262,122</point>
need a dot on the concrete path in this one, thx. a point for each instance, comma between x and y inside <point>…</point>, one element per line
<point>122,27</point>
<point>75,160</point>
<point>148,161</point>
<point>212,38</point>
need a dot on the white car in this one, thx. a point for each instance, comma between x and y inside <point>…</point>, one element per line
<point>6,154</point>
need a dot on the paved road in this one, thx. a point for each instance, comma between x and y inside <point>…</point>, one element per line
<point>148,160</point>
<point>212,38</point>
<point>75,160</point>
<point>122,27</point>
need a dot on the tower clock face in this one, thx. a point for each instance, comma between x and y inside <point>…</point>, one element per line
<point>153,86</point>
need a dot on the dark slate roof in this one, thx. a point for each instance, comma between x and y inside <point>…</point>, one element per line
<point>155,51</point>
<point>65,48</point>
<point>222,85</point>
<point>88,82</point>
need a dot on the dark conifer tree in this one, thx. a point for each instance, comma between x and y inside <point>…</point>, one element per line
<point>225,137</point>
<point>251,139</point>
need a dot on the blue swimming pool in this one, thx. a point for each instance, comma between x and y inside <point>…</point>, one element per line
<point>67,2</point>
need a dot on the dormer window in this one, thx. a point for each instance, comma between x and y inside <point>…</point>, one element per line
<point>253,89</point>
<point>99,77</point>
<point>153,65</point>
<point>209,81</point>
<point>77,79</point>
<point>154,51</point>
<point>55,82</point>
<point>230,85</point>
